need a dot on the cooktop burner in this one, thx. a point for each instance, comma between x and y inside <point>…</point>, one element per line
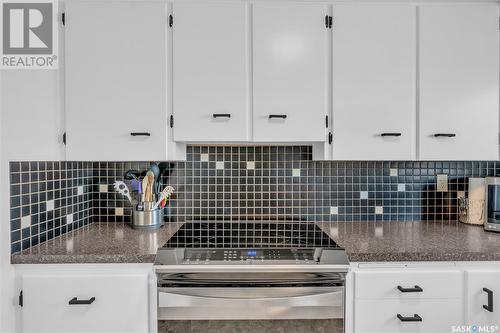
<point>260,234</point>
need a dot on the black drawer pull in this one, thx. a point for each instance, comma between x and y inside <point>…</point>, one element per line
<point>140,134</point>
<point>415,289</point>
<point>489,307</point>
<point>221,115</point>
<point>76,301</point>
<point>445,135</point>
<point>390,134</point>
<point>415,317</point>
<point>282,116</point>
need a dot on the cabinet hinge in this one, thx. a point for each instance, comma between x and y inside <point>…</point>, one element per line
<point>170,21</point>
<point>328,21</point>
<point>64,137</point>
<point>326,121</point>
<point>171,121</point>
<point>63,18</point>
<point>21,298</point>
<point>330,138</point>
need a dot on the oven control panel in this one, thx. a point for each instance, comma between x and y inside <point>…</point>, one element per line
<point>232,255</point>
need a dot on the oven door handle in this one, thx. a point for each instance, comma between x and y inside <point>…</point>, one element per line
<point>236,293</point>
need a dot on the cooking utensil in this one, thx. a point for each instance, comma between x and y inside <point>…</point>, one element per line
<point>156,170</point>
<point>136,185</point>
<point>132,174</point>
<point>122,188</point>
<point>145,184</point>
<point>164,167</point>
<point>165,194</point>
<point>150,185</point>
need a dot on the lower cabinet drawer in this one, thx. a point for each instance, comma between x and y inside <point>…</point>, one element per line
<point>85,303</point>
<point>408,284</point>
<point>382,315</point>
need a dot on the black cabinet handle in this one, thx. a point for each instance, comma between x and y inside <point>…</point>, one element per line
<point>221,115</point>
<point>390,134</point>
<point>415,289</point>
<point>445,135</point>
<point>76,301</point>
<point>282,116</point>
<point>489,307</point>
<point>140,134</point>
<point>415,317</point>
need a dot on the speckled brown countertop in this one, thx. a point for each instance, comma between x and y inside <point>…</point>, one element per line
<point>99,243</point>
<point>415,241</point>
<point>363,241</point>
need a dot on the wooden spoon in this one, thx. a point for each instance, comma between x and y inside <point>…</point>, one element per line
<point>145,182</point>
<point>151,182</point>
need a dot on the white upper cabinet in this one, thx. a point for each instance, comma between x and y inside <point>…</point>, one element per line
<point>115,80</point>
<point>290,71</point>
<point>210,71</point>
<point>31,123</point>
<point>374,82</point>
<point>459,82</point>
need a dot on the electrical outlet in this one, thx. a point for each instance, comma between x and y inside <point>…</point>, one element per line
<point>442,183</point>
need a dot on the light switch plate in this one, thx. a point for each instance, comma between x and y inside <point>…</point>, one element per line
<point>442,183</point>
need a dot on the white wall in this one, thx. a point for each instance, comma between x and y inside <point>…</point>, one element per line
<point>30,129</point>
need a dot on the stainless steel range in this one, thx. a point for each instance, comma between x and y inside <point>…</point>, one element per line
<point>250,270</point>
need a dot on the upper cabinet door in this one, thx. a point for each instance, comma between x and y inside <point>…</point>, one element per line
<point>210,71</point>
<point>374,82</point>
<point>115,80</point>
<point>290,71</point>
<point>459,82</point>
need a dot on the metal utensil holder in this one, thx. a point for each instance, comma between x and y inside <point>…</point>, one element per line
<point>145,217</point>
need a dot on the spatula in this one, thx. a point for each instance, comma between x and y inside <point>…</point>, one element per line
<point>166,193</point>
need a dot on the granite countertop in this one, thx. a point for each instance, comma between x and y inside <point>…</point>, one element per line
<point>99,243</point>
<point>363,242</point>
<point>414,241</point>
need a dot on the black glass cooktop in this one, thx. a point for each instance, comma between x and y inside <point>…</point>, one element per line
<point>252,234</point>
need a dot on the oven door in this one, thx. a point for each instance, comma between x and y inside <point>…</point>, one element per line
<point>198,296</point>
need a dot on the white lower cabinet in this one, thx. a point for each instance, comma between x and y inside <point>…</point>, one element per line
<point>425,297</point>
<point>408,299</point>
<point>407,315</point>
<point>483,297</point>
<point>76,299</point>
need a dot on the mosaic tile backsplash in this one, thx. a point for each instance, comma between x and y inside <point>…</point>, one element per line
<point>48,199</point>
<point>238,183</point>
